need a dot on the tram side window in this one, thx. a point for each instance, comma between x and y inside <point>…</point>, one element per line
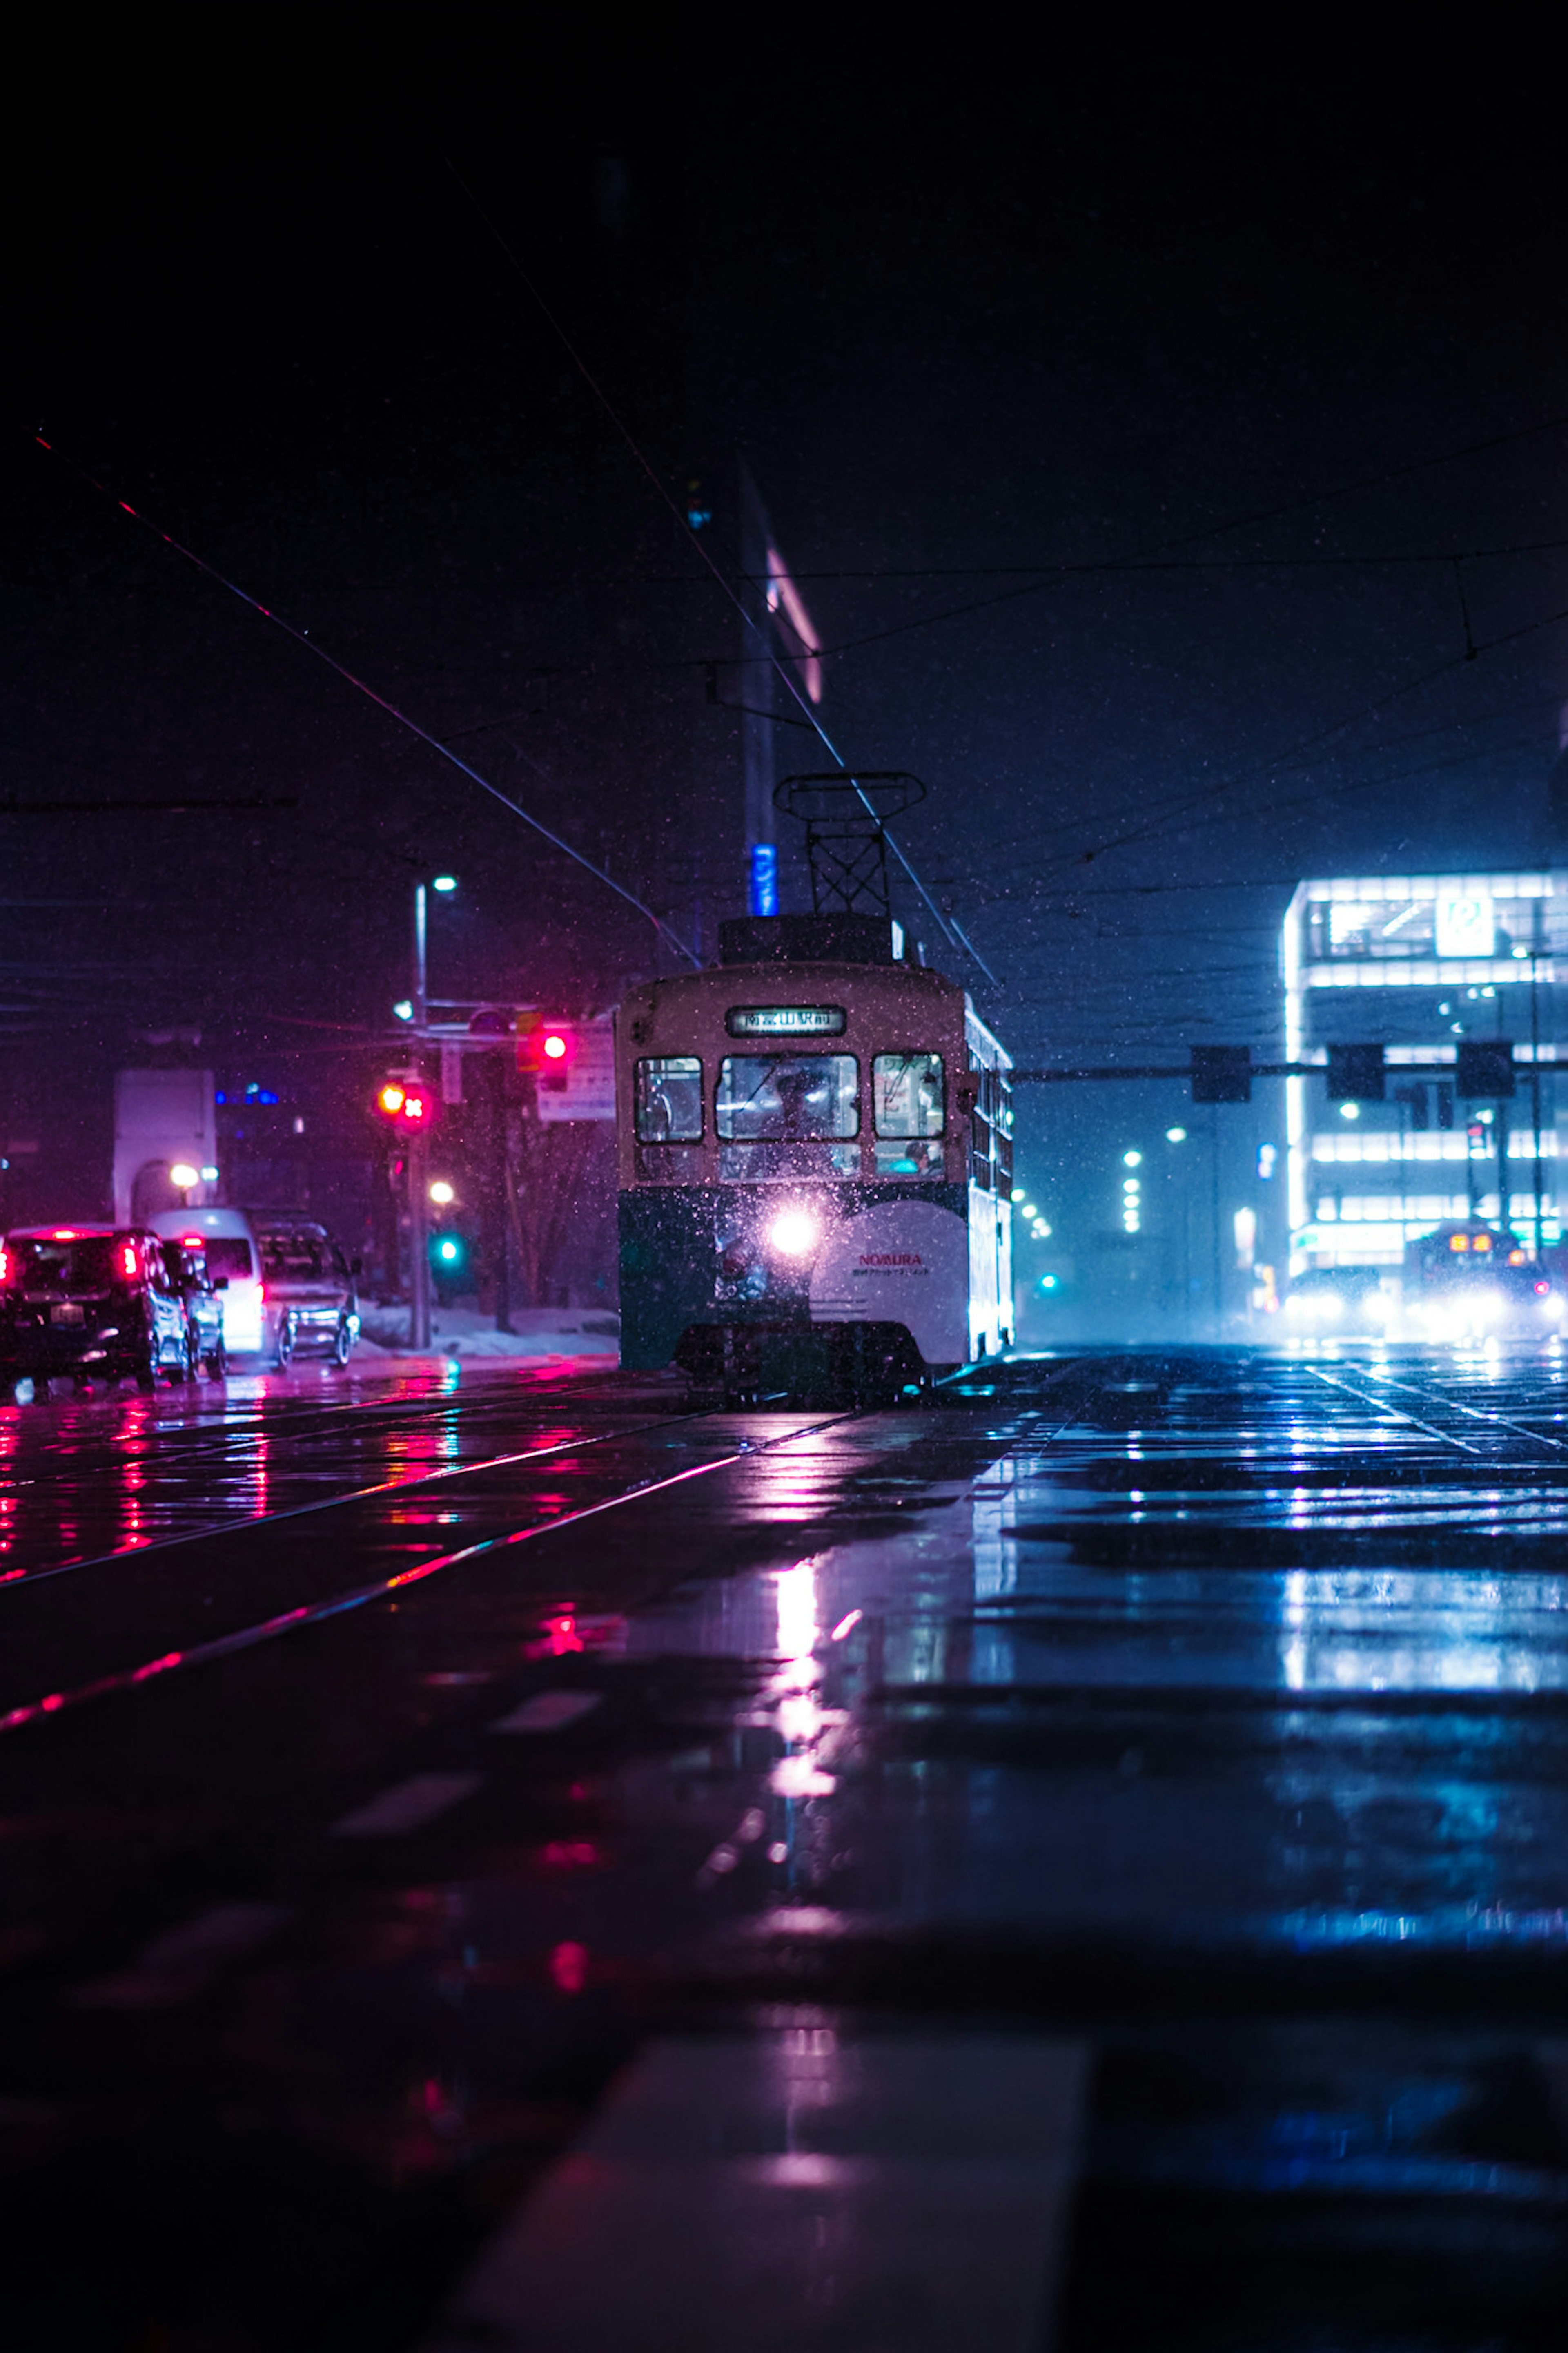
<point>1001,1136</point>
<point>908,1099</point>
<point>781,1115</point>
<point>980,1172</point>
<point>670,1100</point>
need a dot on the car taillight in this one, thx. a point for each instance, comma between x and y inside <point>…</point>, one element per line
<point>4,1266</point>
<point>128,1261</point>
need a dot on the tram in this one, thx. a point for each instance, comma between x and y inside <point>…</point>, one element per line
<point>814,1141</point>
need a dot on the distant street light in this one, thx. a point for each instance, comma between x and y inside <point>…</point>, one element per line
<point>1175,1135</point>
<point>444,883</point>
<point>442,1193</point>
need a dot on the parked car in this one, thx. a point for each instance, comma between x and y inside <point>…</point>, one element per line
<point>203,1294</point>
<point>311,1302</point>
<point>95,1301</point>
<point>229,1241</point>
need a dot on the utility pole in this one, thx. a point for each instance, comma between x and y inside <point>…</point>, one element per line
<point>1218,1246</point>
<point>758,755</point>
<point>419,1156</point>
<point>1536,1184</point>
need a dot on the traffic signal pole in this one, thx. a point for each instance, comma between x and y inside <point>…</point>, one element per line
<point>418,1162</point>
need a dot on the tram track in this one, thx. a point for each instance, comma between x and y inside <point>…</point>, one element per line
<point>1439,1406</point>
<point>238,1525</point>
<point>213,1432</point>
<point>339,1601</point>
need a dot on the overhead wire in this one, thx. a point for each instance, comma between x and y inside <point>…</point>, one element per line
<point>1192,539</point>
<point>782,670</point>
<point>361,686</point>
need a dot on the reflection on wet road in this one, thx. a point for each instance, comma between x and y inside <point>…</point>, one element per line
<point>1197,1721</point>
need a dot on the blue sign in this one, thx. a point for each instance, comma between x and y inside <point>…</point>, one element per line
<point>764,878</point>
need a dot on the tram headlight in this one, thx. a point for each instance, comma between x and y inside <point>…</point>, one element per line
<point>793,1232</point>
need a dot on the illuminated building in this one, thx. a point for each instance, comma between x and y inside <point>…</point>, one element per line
<point>1421,964</point>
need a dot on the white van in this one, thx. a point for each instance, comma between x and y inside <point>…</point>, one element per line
<point>227,1238</point>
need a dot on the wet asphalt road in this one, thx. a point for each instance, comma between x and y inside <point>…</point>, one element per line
<point>388,1765</point>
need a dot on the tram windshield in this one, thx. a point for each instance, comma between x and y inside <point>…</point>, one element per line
<point>781,1114</point>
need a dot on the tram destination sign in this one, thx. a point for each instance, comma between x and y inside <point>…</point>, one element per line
<point>784,1020</point>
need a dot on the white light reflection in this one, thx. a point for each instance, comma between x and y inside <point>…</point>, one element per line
<point>1393,1631</point>
<point>795,1599</point>
<point>801,1721</point>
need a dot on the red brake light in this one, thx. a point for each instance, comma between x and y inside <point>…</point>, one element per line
<point>128,1261</point>
<point>63,1234</point>
<point>4,1265</point>
<point>192,1241</point>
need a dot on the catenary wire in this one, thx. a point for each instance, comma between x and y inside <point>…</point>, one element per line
<point>949,929</point>
<point>303,638</point>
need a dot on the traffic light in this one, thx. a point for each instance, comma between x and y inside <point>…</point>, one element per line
<point>545,1048</point>
<point>1484,1067</point>
<point>1221,1073</point>
<point>407,1104</point>
<point>1355,1074</point>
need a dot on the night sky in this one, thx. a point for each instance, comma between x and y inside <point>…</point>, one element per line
<point>1121,409</point>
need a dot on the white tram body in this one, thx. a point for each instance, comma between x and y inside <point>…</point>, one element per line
<point>815,1144</point>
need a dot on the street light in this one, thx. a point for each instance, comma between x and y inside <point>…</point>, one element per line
<point>185,1180</point>
<point>442,1194</point>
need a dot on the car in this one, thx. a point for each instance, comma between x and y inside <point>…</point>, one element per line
<point>94,1301</point>
<point>1469,1280</point>
<point>228,1238</point>
<point>1335,1299</point>
<point>203,1294</point>
<point>311,1302</point>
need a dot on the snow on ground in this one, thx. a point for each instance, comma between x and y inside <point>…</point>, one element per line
<point>465,1332</point>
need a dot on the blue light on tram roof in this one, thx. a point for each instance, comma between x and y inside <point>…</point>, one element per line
<point>764,878</point>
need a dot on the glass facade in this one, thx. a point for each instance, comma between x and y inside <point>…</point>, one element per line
<point>1423,965</point>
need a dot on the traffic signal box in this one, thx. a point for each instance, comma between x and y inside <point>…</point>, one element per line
<point>406,1104</point>
<point>1221,1074</point>
<point>1355,1074</point>
<point>547,1049</point>
<point>1484,1067</point>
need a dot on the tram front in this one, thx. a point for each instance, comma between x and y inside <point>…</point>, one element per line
<point>798,1135</point>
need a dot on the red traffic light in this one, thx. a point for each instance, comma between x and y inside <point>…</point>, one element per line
<point>548,1049</point>
<point>407,1102</point>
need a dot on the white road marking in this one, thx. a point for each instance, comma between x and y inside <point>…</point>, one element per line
<point>797,2190</point>
<point>549,1711</point>
<point>174,1967</point>
<point>407,1804</point>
